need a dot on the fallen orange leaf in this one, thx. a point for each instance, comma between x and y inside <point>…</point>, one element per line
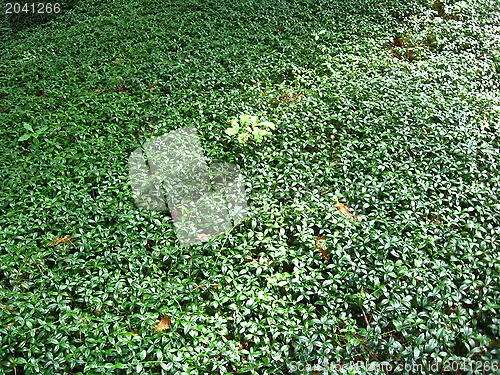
<point>398,42</point>
<point>320,244</point>
<point>62,239</point>
<point>343,209</point>
<point>163,324</point>
<point>59,240</point>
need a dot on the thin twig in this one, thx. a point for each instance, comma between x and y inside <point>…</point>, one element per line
<point>199,286</point>
<point>366,319</point>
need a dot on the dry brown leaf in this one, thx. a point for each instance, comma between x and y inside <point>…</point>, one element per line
<point>291,98</point>
<point>9,325</point>
<point>344,210</point>
<point>320,244</point>
<point>163,324</point>
<point>59,240</point>
<point>398,42</point>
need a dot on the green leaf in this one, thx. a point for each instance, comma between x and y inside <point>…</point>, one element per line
<point>164,366</point>
<point>42,129</point>
<point>243,119</point>
<point>232,131</point>
<point>28,127</point>
<point>268,124</point>
<point>234,122</point>
<point>259,134</point>
<point>24,137</point>
<point>243,137</point>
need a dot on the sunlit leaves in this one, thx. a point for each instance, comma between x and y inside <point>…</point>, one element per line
<point>248,128</point>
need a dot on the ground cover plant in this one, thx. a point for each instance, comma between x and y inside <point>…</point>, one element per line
<point>374,214</point>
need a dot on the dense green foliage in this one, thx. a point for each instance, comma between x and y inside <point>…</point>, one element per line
<point>391,109</point>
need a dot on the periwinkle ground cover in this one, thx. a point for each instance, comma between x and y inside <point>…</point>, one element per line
<point>390,109</point>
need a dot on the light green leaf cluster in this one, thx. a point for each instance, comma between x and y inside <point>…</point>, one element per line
<point>248,127</point>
